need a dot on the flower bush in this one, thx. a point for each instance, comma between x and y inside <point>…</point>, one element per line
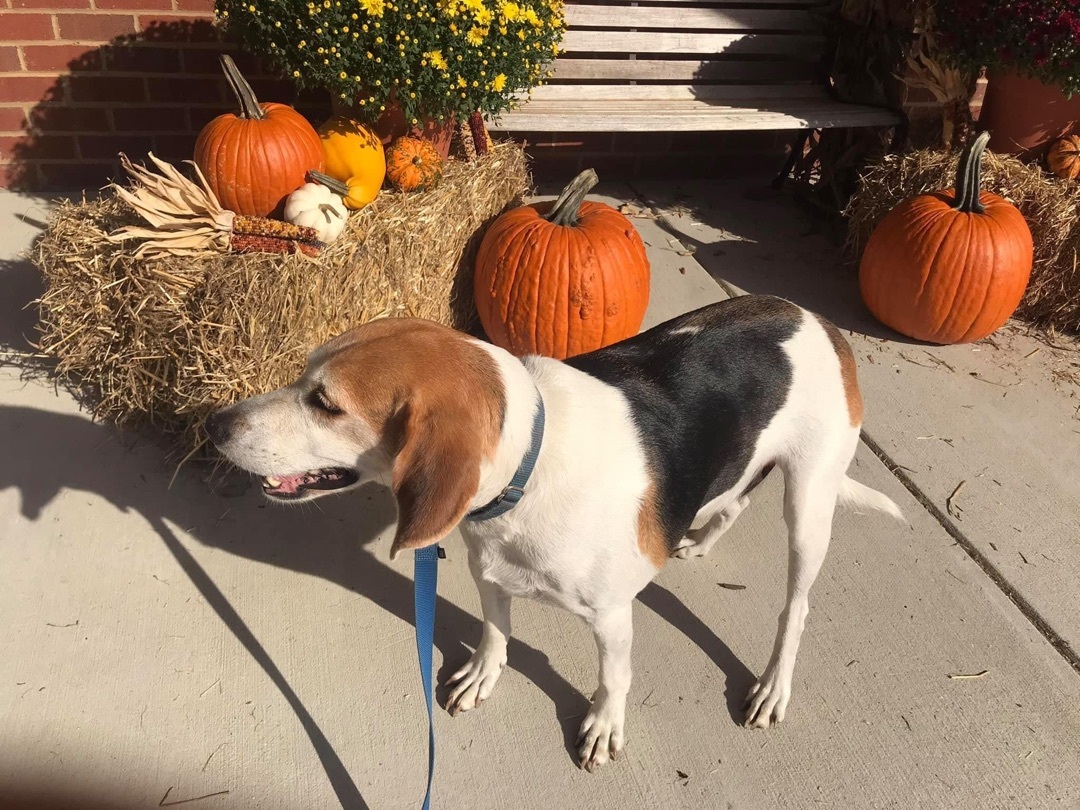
<point>436,59</point>
<point>1036,38</point>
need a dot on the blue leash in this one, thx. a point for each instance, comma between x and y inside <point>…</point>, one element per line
<point>425,584</point>
<point>426,577</point>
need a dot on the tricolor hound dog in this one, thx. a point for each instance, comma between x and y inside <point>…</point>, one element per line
<point>649,449</point>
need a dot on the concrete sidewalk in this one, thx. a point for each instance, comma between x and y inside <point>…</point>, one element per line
<point>161,645</point>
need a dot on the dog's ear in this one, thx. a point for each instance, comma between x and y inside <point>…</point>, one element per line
<point>436,475</point>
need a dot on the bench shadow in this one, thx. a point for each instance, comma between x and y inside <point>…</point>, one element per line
<point>334,539</point>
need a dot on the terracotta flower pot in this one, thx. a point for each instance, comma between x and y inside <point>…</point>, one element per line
<point>1024,115</point>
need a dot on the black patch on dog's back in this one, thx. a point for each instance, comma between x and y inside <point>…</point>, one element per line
<point>701,400</point>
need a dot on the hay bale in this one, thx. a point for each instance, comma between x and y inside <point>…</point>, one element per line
<point>169,340</point>
<point>1050,206</point>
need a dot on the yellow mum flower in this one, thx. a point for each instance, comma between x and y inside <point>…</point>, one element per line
<point>476,35</point>
<point>511,11</point>
<point>499,83</point>
<point>483,16</point>
<point>461,82</point>
<point>530,15</point>
<point>374,7</point>
<point>437,59</point>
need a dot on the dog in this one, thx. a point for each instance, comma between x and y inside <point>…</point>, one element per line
<point>575,481</point>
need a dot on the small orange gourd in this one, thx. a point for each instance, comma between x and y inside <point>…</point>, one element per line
<point>413,164</point>
<point>254,159</point>
<point>561,278</point>
<point>1063,158</point>
<point>950,266</point>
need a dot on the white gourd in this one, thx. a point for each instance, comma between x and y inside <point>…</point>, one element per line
<point>315,206</point>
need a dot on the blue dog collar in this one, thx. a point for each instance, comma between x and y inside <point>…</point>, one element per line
<point>515,490</point>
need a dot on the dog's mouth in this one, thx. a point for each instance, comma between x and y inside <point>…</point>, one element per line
<point>291,487</point>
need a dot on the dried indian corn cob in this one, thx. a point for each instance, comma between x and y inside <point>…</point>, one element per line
<point>480,138</point>
<point>251,243</point>
<point>259,226</point>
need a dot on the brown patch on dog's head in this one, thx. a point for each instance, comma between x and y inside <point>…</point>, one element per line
<point>435,401</point>
<point>848,371</point>
<point>651,540</point>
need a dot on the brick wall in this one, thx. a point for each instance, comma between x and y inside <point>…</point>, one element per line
<point>81,80</point>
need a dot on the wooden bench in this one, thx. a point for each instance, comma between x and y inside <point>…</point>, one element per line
<point>665,65</point>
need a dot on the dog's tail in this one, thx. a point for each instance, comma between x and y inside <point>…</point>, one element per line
<point>859,496</point>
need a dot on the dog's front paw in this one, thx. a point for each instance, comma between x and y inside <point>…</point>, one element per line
<point>474,682</point>
<point>767,700</point>
<point>601,735</point>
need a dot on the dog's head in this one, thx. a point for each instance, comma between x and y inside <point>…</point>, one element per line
<point>397,398</point>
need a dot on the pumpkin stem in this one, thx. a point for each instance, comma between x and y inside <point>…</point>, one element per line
<point>968,176</point>
<point>335,186</point>
<point>328,209</point>
<point>245,96</point>
<point>565,210</point>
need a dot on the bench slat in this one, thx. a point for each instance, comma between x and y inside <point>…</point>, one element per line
<point>675,92</point>
<point>631,116</point>
<point>673,42</point>
<point>567,68</point>
<point>713,19</point>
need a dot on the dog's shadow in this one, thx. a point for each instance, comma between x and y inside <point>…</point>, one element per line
<point>46,452</point>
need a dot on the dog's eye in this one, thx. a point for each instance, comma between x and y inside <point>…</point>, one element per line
<point>317,399</point>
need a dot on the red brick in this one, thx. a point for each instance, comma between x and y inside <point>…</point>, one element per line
<point>23,176</point>
<point>175,148</point>
<point>278,90</point>
<point>134,5</point>
<point>150,119</point>
<point>136,59</point>
<point>106,88</point>
<point>61,57</point>
<point>201,116</point>
<point>201,91</point>
<point>28,27</point>
<point>197,6</point>
<point>35,4</point>
<point>178,29</point>
<point>37,147</point>
<point>106,147</point>
<point>639,142</point>
<point>64,118</point>
<point>207,61</point>
<point>9,59</point>
<point>77,176</point>
<point>12,119</point>
<point>29,88</point>
<point>95,27</point>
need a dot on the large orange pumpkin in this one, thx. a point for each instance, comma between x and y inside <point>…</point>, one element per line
<point>256,158</point>
<point>1063,157</point>
<point>561,278</point>
<point>950,266</point>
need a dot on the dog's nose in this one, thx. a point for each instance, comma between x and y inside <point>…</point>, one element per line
<point>218,427</point>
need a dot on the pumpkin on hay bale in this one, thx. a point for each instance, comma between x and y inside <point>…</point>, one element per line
<point>168,340</point>
<point>1050,206</point>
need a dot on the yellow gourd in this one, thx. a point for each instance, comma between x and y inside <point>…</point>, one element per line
<point>354,157</point>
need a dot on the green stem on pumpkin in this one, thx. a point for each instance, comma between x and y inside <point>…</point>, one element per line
<point>565,210</point>
<point>335,186</point>
<point>245,96</point>
<point>968,176</point>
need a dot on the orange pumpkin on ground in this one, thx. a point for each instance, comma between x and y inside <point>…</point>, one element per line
<point>561,278</point>
<point>413,164</point>
<point>254,159</point>
<point>1063,157</point>
<point>949,266</point>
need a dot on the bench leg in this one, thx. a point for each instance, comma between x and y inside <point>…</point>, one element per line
<point>789,164</point>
